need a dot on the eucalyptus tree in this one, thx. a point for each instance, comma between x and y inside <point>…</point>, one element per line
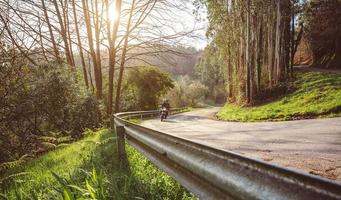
<point>253,36</point>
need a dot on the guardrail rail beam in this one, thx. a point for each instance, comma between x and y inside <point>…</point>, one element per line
<point>217,174</point>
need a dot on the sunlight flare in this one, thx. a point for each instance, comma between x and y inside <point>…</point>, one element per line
<point>113,16</point>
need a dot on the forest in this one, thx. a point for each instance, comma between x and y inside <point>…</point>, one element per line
<point>66,66</point>
<point>263,38</point>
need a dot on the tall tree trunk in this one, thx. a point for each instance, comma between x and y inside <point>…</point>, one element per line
<point>54,45</point>
<point>124,51</point>
<point>292,50</point>
<point>259,56</point>
<point>229,72</point>
<point>112,50</point>
<point>41,38</point>
<point>90,74</point>
<point>91,47</point>
<point>63,33</point>
<point>277,41</point>
<point>247,55</point>
<point>80,44</point>
<point>67,26</point>
<point>271,49</point>
<point>98,49</point>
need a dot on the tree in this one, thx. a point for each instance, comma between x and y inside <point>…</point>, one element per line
<point>123,58</point>
<point>95,61</point>
<point>63,32</point>
<point>322,21</point>
<point>253,38</point>
<point>53,30</point>
<point>186,92</point>
<point>211,71</point>
<point>85,74</point>
<point>150,84</point>
<point>39,102</point>
<point>196,90</point>
<point>112,36</point>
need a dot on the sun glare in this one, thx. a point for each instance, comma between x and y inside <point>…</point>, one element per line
<point>112,12</point>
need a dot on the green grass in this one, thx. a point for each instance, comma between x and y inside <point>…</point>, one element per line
<point>88,169</point>
<point>315,95</point>
<point>186,109</point>
<point>135,120</point>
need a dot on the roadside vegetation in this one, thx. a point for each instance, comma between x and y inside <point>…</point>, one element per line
<point>42,107</point>
<point>59,84</point>
<point>88,169</point>
<point>187,92</point>
<point>313,95</point>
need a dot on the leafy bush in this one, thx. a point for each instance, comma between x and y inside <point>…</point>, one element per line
<point>144,87</point>
<point>196,91</point>
<point>186,92</point>
<point>39,101</point>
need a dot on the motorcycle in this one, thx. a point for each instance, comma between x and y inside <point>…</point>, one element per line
<point>163,113</point>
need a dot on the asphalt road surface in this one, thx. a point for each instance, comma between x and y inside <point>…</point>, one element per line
<point>313,146</point>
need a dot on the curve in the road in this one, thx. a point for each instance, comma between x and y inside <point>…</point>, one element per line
<point>312,145</point>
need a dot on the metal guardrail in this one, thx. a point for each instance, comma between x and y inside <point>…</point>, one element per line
<point>217,174</point>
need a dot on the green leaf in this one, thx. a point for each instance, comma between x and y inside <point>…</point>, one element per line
<point>67,193</point>
<point>3,196</point>
<point>90,189</point>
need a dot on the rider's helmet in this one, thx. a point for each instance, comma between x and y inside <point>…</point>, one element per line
<point>165,100</point>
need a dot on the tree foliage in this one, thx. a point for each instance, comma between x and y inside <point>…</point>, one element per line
<point>41,102</point>
<point>253,37</point>
<point>323,26</point>
<point>144,87</point>
<point>211,71</point>
<point>186,92</point>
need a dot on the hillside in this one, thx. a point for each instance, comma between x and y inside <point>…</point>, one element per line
<point>314,95</point>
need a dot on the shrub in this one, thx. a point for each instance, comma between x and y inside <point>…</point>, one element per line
<point>186,92</point>
<point>37,101</point>
<point>144,87</point>
<point>196,91</point>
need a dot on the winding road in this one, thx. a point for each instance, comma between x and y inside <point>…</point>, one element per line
<point>313,146</point>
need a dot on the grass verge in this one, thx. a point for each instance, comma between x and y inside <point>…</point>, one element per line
<point>88,169</point>
<point>315,95</point>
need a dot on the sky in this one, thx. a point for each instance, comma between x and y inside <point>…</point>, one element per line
<point>192,21</point>
<point>187,21</point>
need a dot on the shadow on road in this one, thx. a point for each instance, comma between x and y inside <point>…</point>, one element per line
<point>189,117</point>
<point>170,121</point>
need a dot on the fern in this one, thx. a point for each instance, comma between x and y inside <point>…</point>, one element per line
<point>62,145</point>
<point>55,133</point>
<point>48,145</point>
<point>48,139</point>
<point>14,176</point>
<point>15,163</point>
<point>66,139</point>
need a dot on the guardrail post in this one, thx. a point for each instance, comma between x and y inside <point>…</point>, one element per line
<point>112,122</point>
<point>120,132</point>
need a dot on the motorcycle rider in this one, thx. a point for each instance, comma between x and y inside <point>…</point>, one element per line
<point>165,104</point>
